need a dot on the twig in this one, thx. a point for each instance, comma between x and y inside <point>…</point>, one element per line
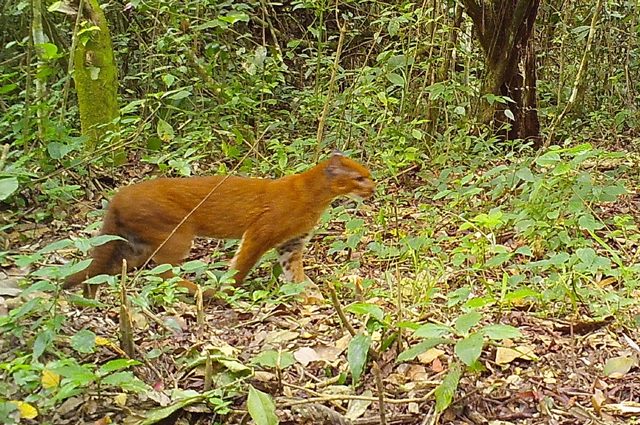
<point>380,388</point>
<point>4,155</point>
<point>126,328</point>
<point>331,397</point>
<point>338,307</point>
<point>332,80</point>
<point>72,52</point>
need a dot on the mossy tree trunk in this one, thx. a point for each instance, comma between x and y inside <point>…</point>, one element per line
<point>504,28</point>
<point>95,76</point>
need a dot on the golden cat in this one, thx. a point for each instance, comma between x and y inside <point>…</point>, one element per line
<point>263,213</point>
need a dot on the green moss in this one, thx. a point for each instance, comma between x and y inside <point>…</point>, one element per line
<point>95,76</point>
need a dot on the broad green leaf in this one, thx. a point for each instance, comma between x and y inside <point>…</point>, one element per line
<point>548,159</point>
<point>126,381</point>
<point>48,50</point>
<point>261,407</point>
<point>499,332</point>
<point>7,187</point>
<point>464,323</point>
<point>525,174</point>
<point>357,355</point>
<point>366,308</point>
<point>520,294</point>
<point>274,359</point>
<point>588,222</point>
<point>469,349</point>
<point>76,374</point>
<point>54,246</point>
<point>42,342</point>
<point>103,239</point>
<point>420,348</point>
<point>168,80</point>
<point>164,130</point>
<point>84,341</point>
<point>234,16</point>
<point>617,367</point>
<point>395,79</point>
<point>445,391</point>
<point>117,364</point>
<point>162,268</point>
<point>180,95</point>
<point>432,330</point>
<point>509,114</point>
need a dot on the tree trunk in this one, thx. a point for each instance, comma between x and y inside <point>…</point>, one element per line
<point>504,30</point>
<point>95,77</point>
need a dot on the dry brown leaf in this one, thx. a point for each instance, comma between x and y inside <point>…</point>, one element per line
<point>597,400</point>
<point>306,355</point>
<point>328,353</point>
<point>120,399</point>
<point>277,339</point>
<point>505,355</point>
<point>430,355</point>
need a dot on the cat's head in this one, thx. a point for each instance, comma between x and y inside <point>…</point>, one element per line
<point>348,177</point>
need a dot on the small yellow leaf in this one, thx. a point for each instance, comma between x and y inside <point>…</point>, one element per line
<point>27,411</point>
<point>49,379</point>
<point>100,340</point>
<point>120,399</point>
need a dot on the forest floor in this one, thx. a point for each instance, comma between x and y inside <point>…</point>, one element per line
<point>552,375</point>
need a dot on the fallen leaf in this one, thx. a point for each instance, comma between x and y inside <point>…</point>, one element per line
<point>27,411</point>
<point>120,399</point>
<point>505,355</point>
<point>306,355</point>
<point>430,355</point>
<point>357,408</point>
<point>618,367</point>
<point>278,338</point>
<point>597,400</point>
<point>49,379</point>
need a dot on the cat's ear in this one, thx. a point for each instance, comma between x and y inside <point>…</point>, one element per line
<point>334,166</point>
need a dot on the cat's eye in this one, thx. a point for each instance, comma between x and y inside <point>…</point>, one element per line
<point>360,179</point>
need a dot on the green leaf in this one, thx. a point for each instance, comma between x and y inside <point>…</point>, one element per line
<point>357,355</point>
<point>94,72</point>
<point>168,80</point>
<point>261,407</point>
<point>469,349</point>
<point>366,308</point>
<point>420,348</point>
<point>274,359</point>
<point>445,391</point>
<point>234,16</point>
<point>164,130</point>
<point>126,381</point>
<point>548,159</point>
<point>76,374</point>
<point>84,341</point>
<point>520,294</point>
<point>509,114</point>
<point>432,330</point>
<point>588,222</point>
<point>7,187</point>
<point>42,342</point>
<point>47,50</point>
<point>117,364</point>
<point>526,175</point>
<point>55,246</point>
<point>618,366</point>
<point>499,332</point>
<point>180,95</point>
<point>464,323</point>
<point>395,79</point>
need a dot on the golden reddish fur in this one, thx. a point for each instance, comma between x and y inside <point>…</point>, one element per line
<point>263,213</point>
